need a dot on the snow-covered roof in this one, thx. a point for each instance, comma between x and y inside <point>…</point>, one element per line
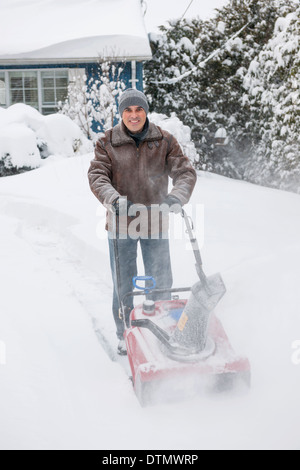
<point>57,30</point>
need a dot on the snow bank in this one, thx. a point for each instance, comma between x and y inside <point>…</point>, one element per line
<point>63,136</point>
<point>20,151</point>
<point>26,137</point>
<point>179,130</point>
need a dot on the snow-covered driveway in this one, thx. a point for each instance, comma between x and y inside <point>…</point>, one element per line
<point>59,387</point>
<point>58,380</point>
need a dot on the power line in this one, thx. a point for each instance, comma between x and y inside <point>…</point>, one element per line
<point>186,10</point>
<point>172,81</point>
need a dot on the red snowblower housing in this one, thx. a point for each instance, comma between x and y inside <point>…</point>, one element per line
<point>178,347</point>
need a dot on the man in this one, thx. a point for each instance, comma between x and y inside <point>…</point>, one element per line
<point>130,175</point>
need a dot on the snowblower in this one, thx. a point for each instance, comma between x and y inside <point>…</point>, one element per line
<point>178,348</point>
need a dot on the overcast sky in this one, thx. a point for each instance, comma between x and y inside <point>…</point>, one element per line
<point>45,22</point>
<point>160,11</point>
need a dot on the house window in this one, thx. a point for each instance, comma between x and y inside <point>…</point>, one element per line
<point>41,89</point>
<point>54,89</point>
<point>2,89</point>
<point>24,88</point>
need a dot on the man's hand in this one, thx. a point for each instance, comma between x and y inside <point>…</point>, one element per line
<point>174,204</point>
<point>121,206</point>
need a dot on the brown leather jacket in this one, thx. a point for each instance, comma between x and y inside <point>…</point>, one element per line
<point>142,174</point>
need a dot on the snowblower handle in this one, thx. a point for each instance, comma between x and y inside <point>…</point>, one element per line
<point>195,247</point>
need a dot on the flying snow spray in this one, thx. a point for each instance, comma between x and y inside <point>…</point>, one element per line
<point>192,328</point>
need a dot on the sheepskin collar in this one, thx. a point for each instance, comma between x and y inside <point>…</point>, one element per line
<point>120,135</point>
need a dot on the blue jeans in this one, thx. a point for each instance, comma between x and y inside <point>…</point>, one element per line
<point>157,263</point>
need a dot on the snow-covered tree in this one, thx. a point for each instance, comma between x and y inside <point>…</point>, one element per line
<point>104,88</point>
<point>78,106</point>
<point>92,101</point>
<point>273,84</point>
<point>212,96</point>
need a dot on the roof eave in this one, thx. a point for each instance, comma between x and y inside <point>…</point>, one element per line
<point>71,61</point>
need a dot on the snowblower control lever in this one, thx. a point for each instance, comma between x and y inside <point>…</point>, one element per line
<point>146,289</point>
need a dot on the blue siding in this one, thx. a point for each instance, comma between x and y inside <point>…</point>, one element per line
<point>126,75</point>
<point>140,76</point>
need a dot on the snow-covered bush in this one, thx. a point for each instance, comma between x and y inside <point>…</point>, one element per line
<point>181,132</point>
<point>26,137</point>
<point>18,149</point>
<point>62,136</point>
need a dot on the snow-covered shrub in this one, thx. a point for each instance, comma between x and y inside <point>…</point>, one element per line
<point>62,136</point>
<point>18,149</point>
<point>22,114</point>
<point>181,132</point>
<point>78,106</point>
<point>27,137</point>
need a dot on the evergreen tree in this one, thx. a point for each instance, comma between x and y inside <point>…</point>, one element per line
<point>212,97</point>
<point>273,84</point>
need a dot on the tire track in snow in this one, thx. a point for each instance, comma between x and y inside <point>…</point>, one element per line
<point>90,290</point>
<point>49,234</point>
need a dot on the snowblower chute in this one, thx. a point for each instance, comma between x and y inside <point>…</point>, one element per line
<point>178,347</point>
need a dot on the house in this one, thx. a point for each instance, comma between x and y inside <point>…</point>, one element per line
<point>44,43</point>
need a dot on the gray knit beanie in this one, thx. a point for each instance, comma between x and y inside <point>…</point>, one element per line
<point>133,97</point>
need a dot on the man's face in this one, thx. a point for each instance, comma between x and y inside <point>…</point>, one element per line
<point>134,118</point>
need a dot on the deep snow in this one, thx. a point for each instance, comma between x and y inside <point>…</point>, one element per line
<point>23,129</point>
<point>59,387</point>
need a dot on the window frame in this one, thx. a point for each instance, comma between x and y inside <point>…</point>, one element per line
<point>3,74</point>
<point>39,71</point>
<point>55,72</point>
<point>24,88</point>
